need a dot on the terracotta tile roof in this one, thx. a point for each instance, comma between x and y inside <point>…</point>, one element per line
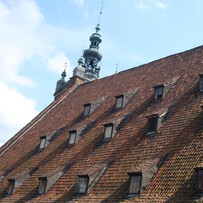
<point>175,151</point>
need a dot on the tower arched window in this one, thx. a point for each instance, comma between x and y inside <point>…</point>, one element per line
<point>91,62</point>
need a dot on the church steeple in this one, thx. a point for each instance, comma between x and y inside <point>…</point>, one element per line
<point>92,55</point>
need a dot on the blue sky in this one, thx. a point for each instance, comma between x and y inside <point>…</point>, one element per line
<point>38,36</point>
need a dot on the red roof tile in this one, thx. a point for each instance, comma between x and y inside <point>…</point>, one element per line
<point>180,137</point>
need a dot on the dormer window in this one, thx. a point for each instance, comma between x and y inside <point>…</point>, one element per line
<point>11,184</point>
<point>42,185</point>
<point>201,83</point>
<point>108,131</point>
<point>82,184</point>
<point>87,109</point>
<point>42,142</point>
<point>200,180</point>
<point>119,101</point>
<point>72,137</point>
<point>135,183</point>
<point>158,92</point>
<point>152,124</point>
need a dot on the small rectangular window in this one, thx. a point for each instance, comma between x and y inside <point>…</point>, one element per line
<point>158,92</point>
<point>42,142</point>
<point>119,101</point>
<point>72,137</point>
<point>108,131</point>
<point>11,184</point>
<point>82,184</point>
<point>200,180</point>
<point>152,124</point>
<point>42,185</point>
<point>201,83</point>
<point>135,183</point>
<point>87,109</point>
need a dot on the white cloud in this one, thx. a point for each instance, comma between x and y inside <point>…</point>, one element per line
<point>141,5</point>
<point>25,36</point>
<point>159,4</point>
<point>15,111</point>
<point>57,64</point>
<point>19,21</point>
<point>149,4</point>
<point>79,2</point>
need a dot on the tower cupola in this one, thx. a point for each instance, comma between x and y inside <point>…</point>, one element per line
<point>92,55</point>
<point>79,70</point>
<point>60,83</point>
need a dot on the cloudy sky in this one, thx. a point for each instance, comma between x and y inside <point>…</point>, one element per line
<point>38,36</point>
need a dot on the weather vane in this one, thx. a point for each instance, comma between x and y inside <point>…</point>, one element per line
<point>117,67</point>
<point>101,12</point>
<point>65,66</point>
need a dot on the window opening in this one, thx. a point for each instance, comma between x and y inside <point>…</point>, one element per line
<point>42,142</point>
<point>119,101</point>
<point>72,137</point>
<point>11,184</point>
<point>87,109</point>
<point>108,131</point>
<point>135,183</point>
<point>152,124</point>
<point>82,183</point>
<point>200,180</point>
<point>201,83</point>
<point>158,92</point>
<point>91,63</point>
<point>42,185</point>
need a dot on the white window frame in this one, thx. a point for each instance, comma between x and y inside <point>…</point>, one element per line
<point>135,187</point>
<point>72,133</point>
<point>106,131</point>
<point>82,186</point>
<point>157,88</point>
<point>42,142</point>
<point>119,104</point>
<point>87,108</point>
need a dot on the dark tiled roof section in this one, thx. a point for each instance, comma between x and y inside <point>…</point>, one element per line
<point>180,136</point>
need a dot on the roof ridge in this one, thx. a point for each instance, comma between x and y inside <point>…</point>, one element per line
<point>140,66</point>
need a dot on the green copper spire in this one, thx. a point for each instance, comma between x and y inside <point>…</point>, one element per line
<point>97,28</point>
<point>81,61</point>
<point>92,55</point>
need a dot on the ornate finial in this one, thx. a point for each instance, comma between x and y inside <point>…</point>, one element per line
<point>64,72</point>
<point>100,13</point>
<point>80,61</point>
